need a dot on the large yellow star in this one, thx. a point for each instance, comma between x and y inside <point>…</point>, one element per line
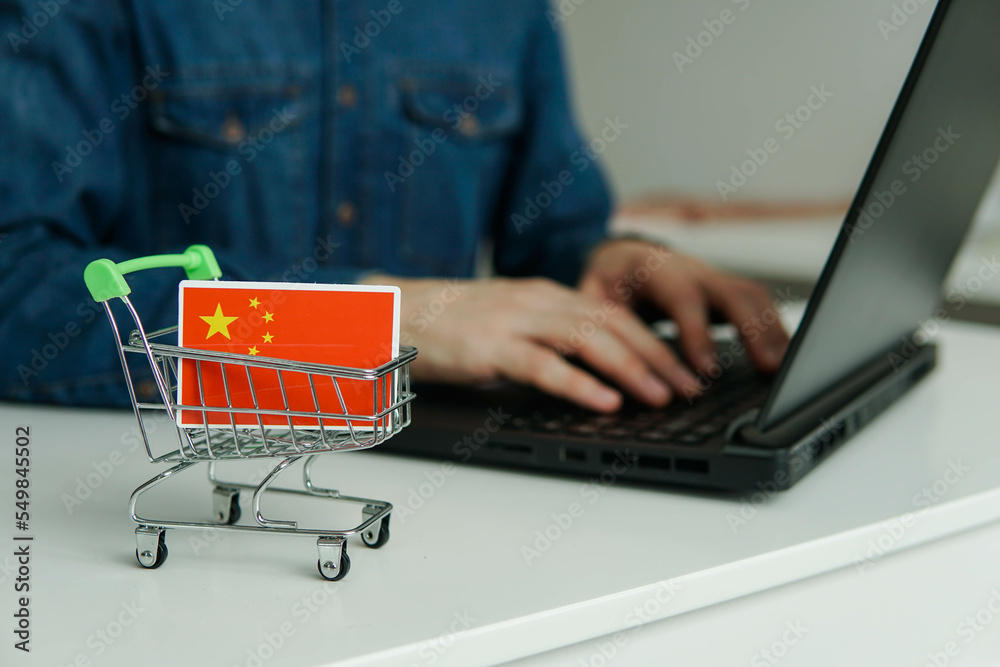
<point>254,303</point>
<point>218,323</point>
<point>267,337</point>
<point>268,317</point>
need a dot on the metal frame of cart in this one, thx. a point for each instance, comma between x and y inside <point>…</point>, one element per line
<point>391,397</point>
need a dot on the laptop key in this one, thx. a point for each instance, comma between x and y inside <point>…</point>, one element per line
<point>677,424</point>
<point>582,429</point>
<point>706,429</point>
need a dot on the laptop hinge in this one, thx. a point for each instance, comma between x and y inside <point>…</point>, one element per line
<point>859,397</point>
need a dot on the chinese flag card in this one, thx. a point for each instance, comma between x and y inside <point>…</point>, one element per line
<point>339,325</point>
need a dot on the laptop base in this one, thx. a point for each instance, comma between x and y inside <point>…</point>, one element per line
<point>487,427</point>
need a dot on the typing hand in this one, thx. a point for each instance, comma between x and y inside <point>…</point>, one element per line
<point>685,289</point>
<point>524,330</point>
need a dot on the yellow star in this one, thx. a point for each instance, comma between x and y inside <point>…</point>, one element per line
<point>252,350</point>
<point>268,337</point>
<point>268,317</point>
<point>218,323</point>
<point>254,302</point>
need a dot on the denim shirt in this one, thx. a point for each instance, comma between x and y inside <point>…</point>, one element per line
<point>302,141</point>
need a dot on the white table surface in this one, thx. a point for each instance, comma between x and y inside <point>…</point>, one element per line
<point>453,587</point>
<point>910,608</point>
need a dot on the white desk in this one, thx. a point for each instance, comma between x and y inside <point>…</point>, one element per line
<point>905,611</point>
<point>452,587</point>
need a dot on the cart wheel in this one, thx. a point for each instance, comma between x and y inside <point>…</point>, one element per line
<point>368,537</point>
<point>234,510</point>
<point>345,567</point>
<point>227,505</point>
<point>161,554</point>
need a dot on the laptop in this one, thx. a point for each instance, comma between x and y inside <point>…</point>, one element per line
<point>862,342</point>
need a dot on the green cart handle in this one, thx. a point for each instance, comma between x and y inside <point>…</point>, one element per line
<point>106,280</point>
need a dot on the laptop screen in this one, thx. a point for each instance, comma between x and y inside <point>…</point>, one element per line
<point>882,282</point>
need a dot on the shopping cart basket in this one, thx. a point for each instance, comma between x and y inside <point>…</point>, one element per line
<point>337,429</point>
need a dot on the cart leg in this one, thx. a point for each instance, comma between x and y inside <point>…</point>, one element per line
<point>334,564</point>
<point>259,491</point>
<point>180,467</point>
<point>226,505</point>
<point>377,533</point>
<point>308,483</point>
<point>151,546</point>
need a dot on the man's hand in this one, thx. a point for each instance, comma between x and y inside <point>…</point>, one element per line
<point>480,330</point>
<point>525,329</point>
<point>628,271</point>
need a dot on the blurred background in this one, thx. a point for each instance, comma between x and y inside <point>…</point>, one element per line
<point>699,84</point>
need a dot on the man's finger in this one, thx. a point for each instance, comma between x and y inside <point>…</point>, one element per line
<point>753,314</point>
<point>531,363</point>
<point>683,300</point>
<point>774,342</point>
<point>606,353</point>
<point>657,355</point>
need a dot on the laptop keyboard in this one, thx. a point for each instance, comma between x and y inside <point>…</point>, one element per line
<point>738,390</point>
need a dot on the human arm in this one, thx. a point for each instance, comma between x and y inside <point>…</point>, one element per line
<point>77,183</point>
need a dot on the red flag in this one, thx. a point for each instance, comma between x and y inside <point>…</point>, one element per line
<point>340,325</point>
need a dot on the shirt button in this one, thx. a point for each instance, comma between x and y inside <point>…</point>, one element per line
<point>233,129</point>
<point>469,126</point>
<point>347,96</point>
<point>347,213</point>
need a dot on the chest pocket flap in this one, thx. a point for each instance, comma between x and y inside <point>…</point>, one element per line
<point>224,108</point>
<point>465,104</point>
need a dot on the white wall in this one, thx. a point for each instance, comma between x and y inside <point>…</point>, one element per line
<point>688,128</point>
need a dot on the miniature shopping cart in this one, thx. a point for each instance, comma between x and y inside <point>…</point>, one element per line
<point>337,430</point>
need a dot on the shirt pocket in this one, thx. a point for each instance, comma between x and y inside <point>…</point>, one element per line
<point>457,126</point>
<point>230,158</point>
